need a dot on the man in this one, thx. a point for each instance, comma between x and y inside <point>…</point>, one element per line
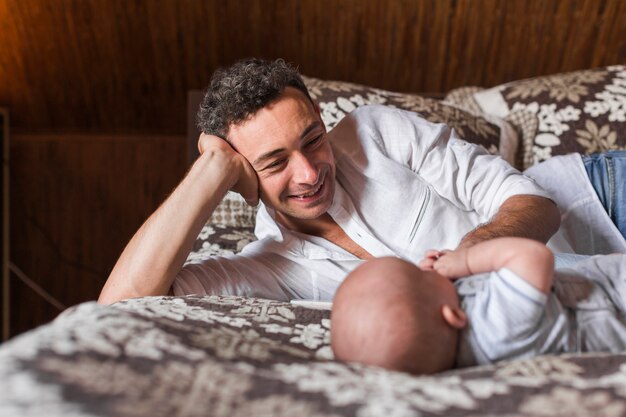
<point>384,182</point>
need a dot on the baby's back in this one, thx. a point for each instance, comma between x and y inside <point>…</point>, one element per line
<point>510,319</point>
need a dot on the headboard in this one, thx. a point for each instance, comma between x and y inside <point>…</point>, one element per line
<point>131,67</point>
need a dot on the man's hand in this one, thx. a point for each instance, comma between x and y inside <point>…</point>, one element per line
<point>149,263</point>
<point>246,181</point>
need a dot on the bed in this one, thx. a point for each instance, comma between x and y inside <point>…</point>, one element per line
<point>234,356</point>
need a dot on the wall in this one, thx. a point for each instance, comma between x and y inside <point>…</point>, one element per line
<point>97,93</point>
<point>76,199</point>
<point>116,64</point>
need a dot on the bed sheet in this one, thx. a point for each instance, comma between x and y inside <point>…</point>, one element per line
<point>233,356</point>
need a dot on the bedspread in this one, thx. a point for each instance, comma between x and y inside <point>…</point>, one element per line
<point>233,356</point>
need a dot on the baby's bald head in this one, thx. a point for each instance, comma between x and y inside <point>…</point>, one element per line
<point>388,313</point>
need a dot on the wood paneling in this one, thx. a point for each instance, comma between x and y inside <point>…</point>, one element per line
<point>4,226</point>
<point>115,65</point>
<point>76,200</point>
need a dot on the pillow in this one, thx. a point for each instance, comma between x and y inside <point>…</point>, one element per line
<point>581,111</point>
<point>524,123</point>
<point>338,98</point>
<point>220,240</point>
<point>233,211</point>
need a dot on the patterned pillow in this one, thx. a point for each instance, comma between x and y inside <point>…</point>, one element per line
<point>233,211</point>
<point>337,98</point>
<point>524,122</point>
<point>220,240</point>
<point>582,111</point>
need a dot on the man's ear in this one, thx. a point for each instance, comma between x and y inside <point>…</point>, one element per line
<point>454,316</point>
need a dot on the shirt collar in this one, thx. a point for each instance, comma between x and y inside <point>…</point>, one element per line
<point>301,244</point>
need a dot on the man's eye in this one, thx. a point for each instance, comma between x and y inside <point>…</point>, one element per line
<point>276,164</point>
<point>315,141</point>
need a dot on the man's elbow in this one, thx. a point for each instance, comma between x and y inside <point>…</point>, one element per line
<point>114,292</point>
<point>108,296</point>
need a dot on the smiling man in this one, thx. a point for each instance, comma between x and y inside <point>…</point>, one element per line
<point>288,148</point>
<point>383,182</point>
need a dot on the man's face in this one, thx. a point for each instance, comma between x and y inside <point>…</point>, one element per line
<point>286,145</point>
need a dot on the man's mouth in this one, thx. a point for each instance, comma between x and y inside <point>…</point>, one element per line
<point>312,193</point>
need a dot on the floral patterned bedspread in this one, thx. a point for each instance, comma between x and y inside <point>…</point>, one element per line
<point>231,356</point>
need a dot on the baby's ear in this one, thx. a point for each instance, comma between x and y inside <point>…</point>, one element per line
<point>454,316</point>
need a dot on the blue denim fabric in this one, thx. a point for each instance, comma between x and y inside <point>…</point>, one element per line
<point>607,173</point>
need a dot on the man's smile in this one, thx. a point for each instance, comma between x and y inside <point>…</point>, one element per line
<point>311,194</point>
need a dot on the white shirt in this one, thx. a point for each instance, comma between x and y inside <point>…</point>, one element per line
<point>585,226</point>
<point>510,319</point>
<point>404,185</point>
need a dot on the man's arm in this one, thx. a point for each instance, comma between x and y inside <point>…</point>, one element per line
<point>530,260</point>
<point>155,254</point>
<point>473,180</point>
<point>527,216</point>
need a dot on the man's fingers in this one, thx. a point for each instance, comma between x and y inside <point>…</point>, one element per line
<point>248,185</point>
<point>205,140</point>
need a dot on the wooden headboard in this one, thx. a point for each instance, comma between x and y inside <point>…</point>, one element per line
<point>111,66</point>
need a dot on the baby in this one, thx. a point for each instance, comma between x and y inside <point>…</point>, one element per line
<point>391,314</point>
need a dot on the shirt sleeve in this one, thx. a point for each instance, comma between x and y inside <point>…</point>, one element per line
<point>253,274</point>
<point>461,172</point>
<point>507,319</point>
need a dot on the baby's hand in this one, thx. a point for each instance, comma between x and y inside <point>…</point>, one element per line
<point>430,257</point>
<point>452,264</point>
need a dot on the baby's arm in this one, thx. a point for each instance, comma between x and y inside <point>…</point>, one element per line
<point>529,259</point>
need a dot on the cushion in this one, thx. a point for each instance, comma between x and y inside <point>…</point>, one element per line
<point>581,111</point>
<point>220,240</point>
<point>233,211</point>
<point>235,356</point>
<point>338,98</point>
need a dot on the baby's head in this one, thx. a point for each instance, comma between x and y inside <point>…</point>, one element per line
<point>389,313</point>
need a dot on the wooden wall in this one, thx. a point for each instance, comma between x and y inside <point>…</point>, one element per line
<point>97,90</point>
<point>110,65</point>
<point>76,199</point>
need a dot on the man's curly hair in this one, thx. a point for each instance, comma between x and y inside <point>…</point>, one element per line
<point>239,91</point>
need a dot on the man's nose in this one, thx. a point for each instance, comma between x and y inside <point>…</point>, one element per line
<point>304,171</point>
